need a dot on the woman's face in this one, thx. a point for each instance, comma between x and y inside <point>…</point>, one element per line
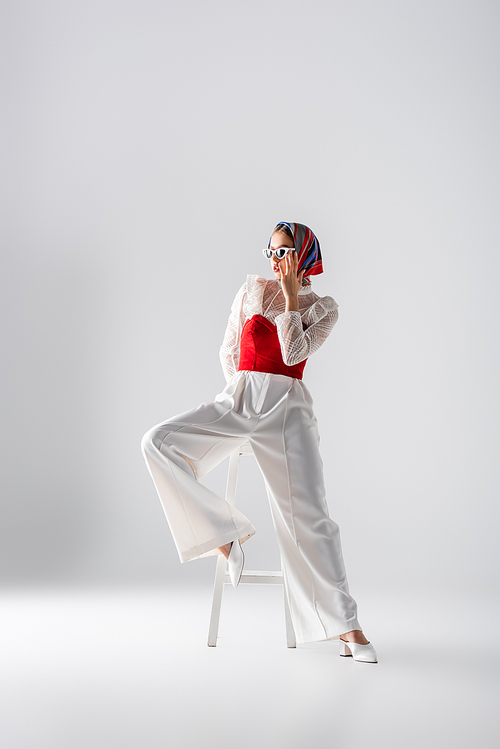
<point>278,240</point>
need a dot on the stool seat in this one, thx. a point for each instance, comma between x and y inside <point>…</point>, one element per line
<point>272,577</point>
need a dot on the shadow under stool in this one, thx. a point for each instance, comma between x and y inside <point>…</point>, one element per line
<point>259,577</point>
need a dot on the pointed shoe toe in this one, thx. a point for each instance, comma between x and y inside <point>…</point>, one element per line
<point>364,653</point>
<point>235,562</point>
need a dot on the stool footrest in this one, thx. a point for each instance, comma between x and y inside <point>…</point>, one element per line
<point>258,576</point>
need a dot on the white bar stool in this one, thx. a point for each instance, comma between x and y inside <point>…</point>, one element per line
<point>249,576</point>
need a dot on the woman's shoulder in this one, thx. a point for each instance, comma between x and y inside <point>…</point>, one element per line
<point>327,302</point>
<point>320,306</point>
<point>254,282</point>
<point>256,288</point>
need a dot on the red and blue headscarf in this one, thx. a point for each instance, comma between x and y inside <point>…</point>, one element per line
<point>307,247</point>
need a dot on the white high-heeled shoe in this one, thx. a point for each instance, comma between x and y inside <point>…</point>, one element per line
<point>235,562</point>
<point>365,653</point>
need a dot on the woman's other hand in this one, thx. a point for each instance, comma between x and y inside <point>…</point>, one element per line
<point>290,281</point>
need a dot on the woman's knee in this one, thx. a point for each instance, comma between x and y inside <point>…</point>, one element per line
<point>154,438</point>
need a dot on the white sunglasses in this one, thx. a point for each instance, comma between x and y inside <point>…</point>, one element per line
<point>279,253</point>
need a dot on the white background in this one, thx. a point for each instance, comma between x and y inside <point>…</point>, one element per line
<point>148,150</point>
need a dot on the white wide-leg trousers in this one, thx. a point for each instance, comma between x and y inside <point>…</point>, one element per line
<point>275,413</point>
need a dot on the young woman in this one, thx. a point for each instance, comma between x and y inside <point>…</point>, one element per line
<point>274,326</point>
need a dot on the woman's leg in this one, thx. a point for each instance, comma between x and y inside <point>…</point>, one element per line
<point>286,445</point>
<point>180,450</point>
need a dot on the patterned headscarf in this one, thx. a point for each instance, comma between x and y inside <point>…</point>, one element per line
<point>307,246</point>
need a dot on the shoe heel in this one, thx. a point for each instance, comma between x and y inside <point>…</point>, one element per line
<point>235,563</point>
<point>344,649</point>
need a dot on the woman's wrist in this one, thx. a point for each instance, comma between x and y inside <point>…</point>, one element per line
<point>292,303</point>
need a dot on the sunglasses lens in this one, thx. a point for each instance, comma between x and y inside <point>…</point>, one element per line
<point>280,254</point>
<point>268,253</point>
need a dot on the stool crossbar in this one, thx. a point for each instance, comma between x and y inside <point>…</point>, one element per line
<point>247,576</point>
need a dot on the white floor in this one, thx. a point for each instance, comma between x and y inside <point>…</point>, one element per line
<point>131,669</point>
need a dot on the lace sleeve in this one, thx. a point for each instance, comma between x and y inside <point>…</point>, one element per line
<point>298,344</point>
<point>229,352</point>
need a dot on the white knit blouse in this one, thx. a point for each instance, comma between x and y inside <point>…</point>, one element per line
<point>300,333</point>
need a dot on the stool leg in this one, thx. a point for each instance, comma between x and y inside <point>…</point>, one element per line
<point>217,601</point>
<point>232,479</point>
<point>290,632</point>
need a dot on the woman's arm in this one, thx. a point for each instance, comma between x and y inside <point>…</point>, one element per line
<point>229,352</point>
<point>298,344</point>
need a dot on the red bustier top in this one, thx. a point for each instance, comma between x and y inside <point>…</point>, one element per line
<point>260,349</point>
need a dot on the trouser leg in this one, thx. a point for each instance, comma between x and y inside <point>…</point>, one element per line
<point>286,445</point>
<point>178,452</point>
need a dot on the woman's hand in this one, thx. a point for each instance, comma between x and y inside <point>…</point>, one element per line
<point>290,281</point>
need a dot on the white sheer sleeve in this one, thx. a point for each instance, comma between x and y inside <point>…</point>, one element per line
<point>229,352</point>
<point>298,344</point>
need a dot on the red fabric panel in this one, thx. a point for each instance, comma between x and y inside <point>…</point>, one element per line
<point>260,349</point>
